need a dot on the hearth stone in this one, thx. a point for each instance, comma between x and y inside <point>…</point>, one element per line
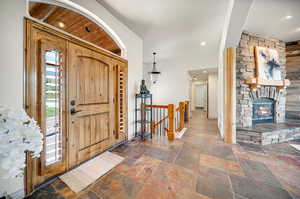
<point>264,134</point>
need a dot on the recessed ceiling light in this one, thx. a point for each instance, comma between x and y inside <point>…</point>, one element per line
<point>288,17</point>
<point>205,71</point>
<point>61,24</point>
<point>203,43</point>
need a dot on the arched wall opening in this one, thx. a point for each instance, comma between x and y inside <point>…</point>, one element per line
<point>73,19</point>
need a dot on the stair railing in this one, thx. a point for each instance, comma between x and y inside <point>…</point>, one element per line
<point>162,120</point>
<point>168,120</point>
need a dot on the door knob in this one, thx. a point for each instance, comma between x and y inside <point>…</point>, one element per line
<point>73,111</point>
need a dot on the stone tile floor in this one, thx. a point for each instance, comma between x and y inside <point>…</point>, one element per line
<point>199,166</point>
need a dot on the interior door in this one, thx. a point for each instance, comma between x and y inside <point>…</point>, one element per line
<point>90,106</point>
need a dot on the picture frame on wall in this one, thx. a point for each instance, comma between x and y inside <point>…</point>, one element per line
<point>267,63</point>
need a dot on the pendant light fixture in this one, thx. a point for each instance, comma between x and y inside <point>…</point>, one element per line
<point>154,74</point>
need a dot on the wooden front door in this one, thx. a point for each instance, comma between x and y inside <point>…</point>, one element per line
<point>78,95</point>
<point>90,105</point>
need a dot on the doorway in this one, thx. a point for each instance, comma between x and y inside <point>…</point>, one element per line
<point>201,96</point>
<point>78,94</point>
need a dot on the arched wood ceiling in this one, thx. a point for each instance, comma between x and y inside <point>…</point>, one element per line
<point>74,24</point>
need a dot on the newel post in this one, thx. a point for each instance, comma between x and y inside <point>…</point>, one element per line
<point>171,130</point>
<point>181,112</point>
<point>187,110</point>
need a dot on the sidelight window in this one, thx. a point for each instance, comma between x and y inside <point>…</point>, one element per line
<point>53,107</point>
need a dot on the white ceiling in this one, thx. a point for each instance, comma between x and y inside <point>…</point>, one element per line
<point>267,17</point>
<point>175,28</point>
<point>202,74</point>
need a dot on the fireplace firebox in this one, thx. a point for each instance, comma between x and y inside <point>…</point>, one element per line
<point>263,110</point>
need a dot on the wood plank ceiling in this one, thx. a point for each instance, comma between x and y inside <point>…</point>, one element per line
<point>74,24</point>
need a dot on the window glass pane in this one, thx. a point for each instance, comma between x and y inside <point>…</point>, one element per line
<point>53,131</point>
<point>52,57</point>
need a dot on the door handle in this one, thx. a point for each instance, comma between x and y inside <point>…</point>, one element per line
<point>73,111</point>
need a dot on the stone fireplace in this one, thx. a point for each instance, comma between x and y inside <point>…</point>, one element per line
<point>260,112</point>
<point>247,99</point>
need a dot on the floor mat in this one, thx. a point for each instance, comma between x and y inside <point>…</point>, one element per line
<point>87,173</point>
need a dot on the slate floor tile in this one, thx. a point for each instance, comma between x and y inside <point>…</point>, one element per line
<point>141,169</point>
<point>290,160</point>
<point>237,196</point>
<point>213,183</point>
<point>188,194</point>
<point>47,192</point>
<point>283,148</point>
<point>227,166</point>
<point>259,172</point>
<point>288,176</point>
<point>174,177</point>
<point>161,154</point>
<point>188,157</point>
<point>251,189</point>
<point>154,191</point>
<point>90,195</point>
<point>251,147</point>
<point>218,150</point>
<point>115,186</point>
<point>293,190</point>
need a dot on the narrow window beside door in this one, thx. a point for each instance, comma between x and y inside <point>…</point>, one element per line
<point>53,110</point>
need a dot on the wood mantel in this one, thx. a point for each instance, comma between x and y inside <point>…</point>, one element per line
<point>257,82</point>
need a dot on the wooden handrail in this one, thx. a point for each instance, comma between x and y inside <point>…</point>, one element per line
<point>157,106</point>
<point>155,124</point>
<point>159,122</point>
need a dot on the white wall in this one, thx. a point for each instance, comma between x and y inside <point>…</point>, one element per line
<point>173,85</point>
<point>11,67</point>
<point>11,56</point>
<point>223,41</point>
<point>11,52</point>
<point>213,96</point>
<point>237,13</point>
